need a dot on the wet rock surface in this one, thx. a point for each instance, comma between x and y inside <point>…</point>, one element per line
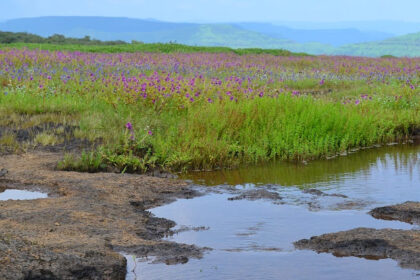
<point>400,245</point>
<point>257,194</point>
<point>165,252</point>
<point>321,193</point>
<point>187,228</point>
<point>78,231</point>
<point>408,212</point>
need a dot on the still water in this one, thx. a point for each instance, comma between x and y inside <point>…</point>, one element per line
<point>254,239</point>
<point>11,194</point>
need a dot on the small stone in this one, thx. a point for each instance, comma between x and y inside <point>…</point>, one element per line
<point>3,172</point>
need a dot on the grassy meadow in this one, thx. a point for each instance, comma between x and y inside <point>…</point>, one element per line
<point>181,108</point>
<point>145,48</point>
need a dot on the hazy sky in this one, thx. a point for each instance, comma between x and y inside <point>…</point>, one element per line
<point>220,10</point>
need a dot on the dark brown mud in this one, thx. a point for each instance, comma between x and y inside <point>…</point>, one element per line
<point>408,212</point>
<point>400,245</point>
<point>78,232</point>
<point>24,139</point>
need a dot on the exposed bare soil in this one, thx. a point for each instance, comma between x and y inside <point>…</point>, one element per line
<point>78,231</point>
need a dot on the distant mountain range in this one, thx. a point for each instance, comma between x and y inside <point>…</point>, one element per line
<point>347,41</point>
<point>335,37</point>
<point>405,45</point>
<point>386,26</point>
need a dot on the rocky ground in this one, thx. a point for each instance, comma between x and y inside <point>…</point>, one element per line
<point>408,212</point>
<point>400,245</point>
<point>79,230</point>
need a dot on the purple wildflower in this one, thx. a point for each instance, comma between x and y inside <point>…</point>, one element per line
<point>129,126</point>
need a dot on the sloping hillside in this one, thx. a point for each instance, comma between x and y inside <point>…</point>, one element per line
<point>150,31</point>
<point>335,37</point>
<point>406,45</point>
<point>241,35</point>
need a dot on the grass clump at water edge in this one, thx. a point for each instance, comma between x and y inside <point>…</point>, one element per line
<point>203,111</point>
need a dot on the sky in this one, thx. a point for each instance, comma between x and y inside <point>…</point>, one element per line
<point>220,10</point>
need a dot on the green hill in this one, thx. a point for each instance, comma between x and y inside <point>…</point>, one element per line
<point>406,45</point>
<point>227,35</point>
<point>111,29</point>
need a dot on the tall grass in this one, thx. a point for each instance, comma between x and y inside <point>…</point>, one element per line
<point>204,110</point>
<point>222,134</point>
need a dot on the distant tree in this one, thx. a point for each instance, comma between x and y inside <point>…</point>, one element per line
<point>23,37</point>
<point>56,38</point>
<point>135,42</point>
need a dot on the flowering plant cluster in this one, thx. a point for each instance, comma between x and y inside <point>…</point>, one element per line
<point>183,80</point>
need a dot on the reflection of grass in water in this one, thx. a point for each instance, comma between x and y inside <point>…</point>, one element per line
<point>296,174</point>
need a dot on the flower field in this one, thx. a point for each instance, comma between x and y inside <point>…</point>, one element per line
<point>183,111</point>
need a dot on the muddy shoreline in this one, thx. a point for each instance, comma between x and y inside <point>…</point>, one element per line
<point>400,245</point>
<point>90,219</point>
<point>79,230</point>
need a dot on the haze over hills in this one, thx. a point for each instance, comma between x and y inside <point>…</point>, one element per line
<point>405,45</point>
<point>349,41</point>
<point>386,26</point>
<point>150,31</point>
<point>335,37</point>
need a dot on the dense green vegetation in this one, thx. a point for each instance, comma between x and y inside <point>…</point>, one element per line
<point>221,135</point>
<point>205,110</point>
<point>141,47</point>
<point>23,37</point>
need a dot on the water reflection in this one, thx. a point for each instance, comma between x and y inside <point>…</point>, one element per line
<point>404,158</point>
<point>254,239</point>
